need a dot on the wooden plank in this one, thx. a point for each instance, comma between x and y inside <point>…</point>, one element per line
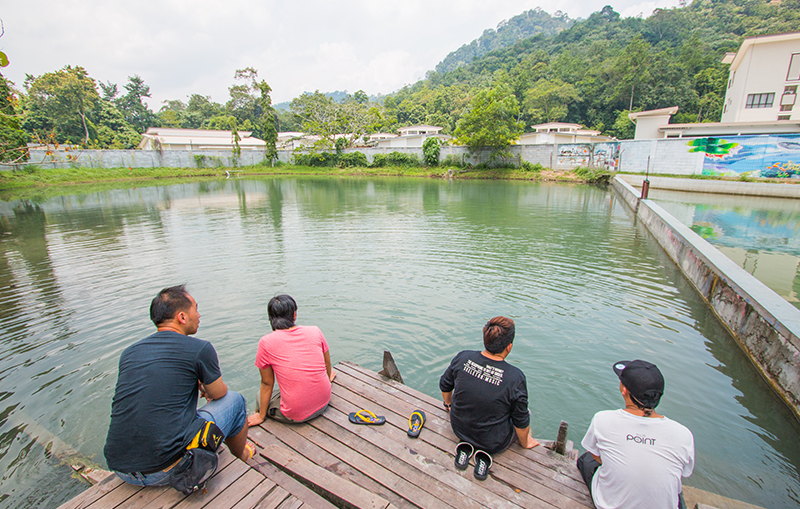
<point>549,489</point>
<point>341,445</point>
<point>240,489</point>
<point>145,496</point>
<point>87,497</point>
<point>168,498</point>
<point>291,485</point>
<point>345,490</point>
<point>291,503</point>
<point>221,482</point>
<point>273,499</point>
<point>118,497</point>
<point>564,466</point>
<point>306,441</point>
<point>433,493</point>
<point>423,457</point>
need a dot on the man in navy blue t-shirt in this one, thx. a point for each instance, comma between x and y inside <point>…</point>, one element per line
<point>154,412</point>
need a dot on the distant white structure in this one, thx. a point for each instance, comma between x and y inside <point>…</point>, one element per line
<point>410,137</point>
<point>649,122</point>
<point>654,124</point>
<point>763,81</point>
<point>561,132</point>
<point>163,138</point>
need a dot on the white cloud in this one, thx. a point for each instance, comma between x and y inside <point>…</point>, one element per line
<point>181,47</point>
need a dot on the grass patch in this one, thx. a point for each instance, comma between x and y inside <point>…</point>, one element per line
<point>32,176</point>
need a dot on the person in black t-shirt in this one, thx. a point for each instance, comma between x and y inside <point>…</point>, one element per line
<point>154,412</point>
<point>487,397</point>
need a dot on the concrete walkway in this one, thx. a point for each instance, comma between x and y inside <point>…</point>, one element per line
<point>717,186</point>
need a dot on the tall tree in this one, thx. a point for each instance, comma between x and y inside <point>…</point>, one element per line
<point>491,121</point>
<point>132,104</point>
<point>61,101</point>
<point>269,131</point>
<point>549,100</point>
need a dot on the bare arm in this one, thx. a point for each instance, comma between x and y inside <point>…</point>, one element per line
<point>264,395</point>
<point>447,397</point>
<point>214,390</point>
<point>525,438</point>
<point>328,368</point>
<point>597,458</point>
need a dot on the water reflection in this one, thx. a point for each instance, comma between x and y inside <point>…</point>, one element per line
<point>762,235</point>
<point>412,266</point>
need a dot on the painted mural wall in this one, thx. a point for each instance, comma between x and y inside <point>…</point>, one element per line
<point>592,155</point>
<point>773,156</point>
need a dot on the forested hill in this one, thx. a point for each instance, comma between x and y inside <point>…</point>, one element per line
<point>598,69</point>
<point>521,26</point>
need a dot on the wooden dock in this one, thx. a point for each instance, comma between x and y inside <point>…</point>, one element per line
<point>330,462</point>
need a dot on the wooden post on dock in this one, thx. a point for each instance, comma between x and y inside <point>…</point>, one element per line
<point>561,441</point>
<point>390,368</point>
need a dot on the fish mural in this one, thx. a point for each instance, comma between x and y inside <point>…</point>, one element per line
<point>769,156</point>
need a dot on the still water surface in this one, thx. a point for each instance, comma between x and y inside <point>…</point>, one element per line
<point>411,266</point>
<point>760,234</point>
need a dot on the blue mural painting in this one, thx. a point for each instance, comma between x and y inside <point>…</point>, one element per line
<point>773,156</point>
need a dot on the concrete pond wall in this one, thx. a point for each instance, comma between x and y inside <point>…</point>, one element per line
<point>765,325</point>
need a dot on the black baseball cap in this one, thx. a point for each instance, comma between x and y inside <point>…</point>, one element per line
<point>642,379</point>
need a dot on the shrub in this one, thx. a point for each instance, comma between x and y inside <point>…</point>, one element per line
<point>430,151</point>
<point>591,174</point>
<point>353,159</point>
<point>395,159</point>
<point>528,166</point>
<point>317,159</point>
<point>453,160</point>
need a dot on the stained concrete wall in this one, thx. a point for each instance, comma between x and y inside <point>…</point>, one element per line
<point>765,325</point>
<point>61,158</point>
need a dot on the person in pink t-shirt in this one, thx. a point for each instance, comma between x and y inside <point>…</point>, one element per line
<point>297,358</point>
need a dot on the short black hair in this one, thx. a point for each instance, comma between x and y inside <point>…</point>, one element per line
<point>168,302</point>
<point>498,333</point>
<point>281,310</point>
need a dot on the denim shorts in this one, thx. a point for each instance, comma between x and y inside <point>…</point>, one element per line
<point>229,413</point>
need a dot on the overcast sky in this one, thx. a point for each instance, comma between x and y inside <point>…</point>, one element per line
<point>180,47</point>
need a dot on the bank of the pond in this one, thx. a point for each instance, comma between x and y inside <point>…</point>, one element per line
<point>39,177</point>
<point>765,325</point>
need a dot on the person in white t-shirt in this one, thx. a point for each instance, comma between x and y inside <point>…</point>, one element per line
<point>636,457</point>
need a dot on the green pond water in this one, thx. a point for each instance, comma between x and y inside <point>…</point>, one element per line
<point>413,266</point>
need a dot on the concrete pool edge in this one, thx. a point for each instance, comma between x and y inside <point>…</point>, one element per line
<point>765,325</point>
<point>716,186</point>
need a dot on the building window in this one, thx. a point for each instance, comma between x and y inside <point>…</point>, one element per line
<point>788,98</point>
<point>760,100</point>
<point>784,117</point>
<point>794,68</point>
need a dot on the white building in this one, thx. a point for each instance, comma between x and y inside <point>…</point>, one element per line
<point>648,123</point>
<point>162,138</point>
<point>763,81</point>
<point>561,132</point>
<point>411,137</point>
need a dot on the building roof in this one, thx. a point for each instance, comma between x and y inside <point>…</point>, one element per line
<point>758,39</point>
<point>198,137</point>
<point>730,128</point>
<point>653,113</point>
<point>421,126</point>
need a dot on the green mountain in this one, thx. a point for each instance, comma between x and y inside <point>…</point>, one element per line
<point>521,26</point>
<point>598,69</point>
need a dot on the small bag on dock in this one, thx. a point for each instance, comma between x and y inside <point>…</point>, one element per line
<point>199,462</point>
